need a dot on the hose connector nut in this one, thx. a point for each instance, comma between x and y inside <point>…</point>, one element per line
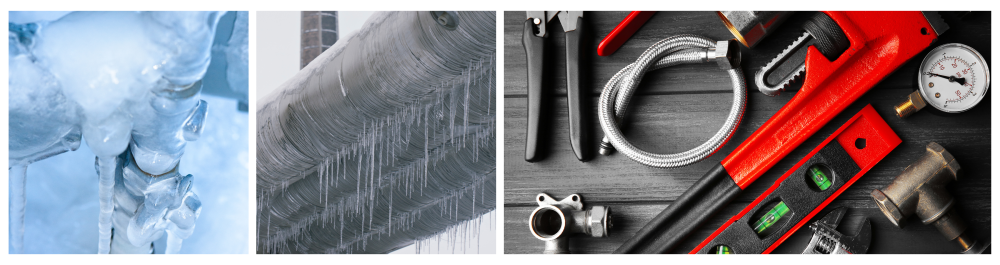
<point>598,221</point>
<point>727,54</point>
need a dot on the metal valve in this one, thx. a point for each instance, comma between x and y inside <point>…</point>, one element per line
<point>555,221</point>
<point>920,190</point>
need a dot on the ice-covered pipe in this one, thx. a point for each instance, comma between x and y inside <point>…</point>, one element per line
<point>385,139</point>
<point>130,74</point>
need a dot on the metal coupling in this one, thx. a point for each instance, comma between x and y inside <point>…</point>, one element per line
<point>726,53</point>
<point>555,221</point>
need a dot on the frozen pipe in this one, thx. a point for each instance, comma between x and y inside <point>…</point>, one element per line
<point>386,139</point>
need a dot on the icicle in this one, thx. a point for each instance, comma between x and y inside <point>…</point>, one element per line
<point>106,174</point>
<point>173,243</point>
<point>18,200</point>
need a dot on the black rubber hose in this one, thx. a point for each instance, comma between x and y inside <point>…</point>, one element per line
<point>712,192</point>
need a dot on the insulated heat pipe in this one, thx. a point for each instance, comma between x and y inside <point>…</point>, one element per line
<point>386,139</point>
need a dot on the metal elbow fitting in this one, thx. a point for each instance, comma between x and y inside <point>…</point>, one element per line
<point>555,221</point>
<point>920,190</point>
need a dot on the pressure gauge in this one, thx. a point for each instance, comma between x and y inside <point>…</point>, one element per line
<point>953,78</point>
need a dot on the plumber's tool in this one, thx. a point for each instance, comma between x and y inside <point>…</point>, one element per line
<point>953,78</point>
<point>533,39</point>
<point>880,42</point>
<point>920,189</point>
<point>623,31</point>
<point>827,240</point>
<point>749,27</point>
<point>555,221</point>
<point>807,187</point>
<point>676,50</point>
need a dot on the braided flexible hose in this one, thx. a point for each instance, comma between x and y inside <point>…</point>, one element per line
<point>676,50</point>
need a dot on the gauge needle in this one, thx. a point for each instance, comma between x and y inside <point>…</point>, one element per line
<point>960,81</point>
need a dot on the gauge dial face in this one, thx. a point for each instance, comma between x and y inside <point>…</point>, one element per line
<point>953,78</point>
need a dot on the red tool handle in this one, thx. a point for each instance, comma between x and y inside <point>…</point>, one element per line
<point>880,43</point>
<point>623,31</point>
<point>878,141</point>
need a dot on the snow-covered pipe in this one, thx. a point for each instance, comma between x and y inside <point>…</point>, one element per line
<point>385,139</point>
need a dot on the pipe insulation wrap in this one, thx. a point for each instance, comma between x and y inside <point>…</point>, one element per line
<point>676,50</point>
<point>385,139</point>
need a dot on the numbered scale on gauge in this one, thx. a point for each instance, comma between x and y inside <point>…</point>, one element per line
<point>953,78</point>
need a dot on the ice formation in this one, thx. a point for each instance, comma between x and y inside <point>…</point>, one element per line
<point>385,140</point>
<point>127,83</point>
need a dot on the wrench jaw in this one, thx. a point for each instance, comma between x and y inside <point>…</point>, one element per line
<point>774,89</point>
<point>827,240</point>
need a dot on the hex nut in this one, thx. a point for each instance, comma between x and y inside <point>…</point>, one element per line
<point>947,157</point>
<point>888,207</point>
<point>598,221</point>
<point>727,54</point>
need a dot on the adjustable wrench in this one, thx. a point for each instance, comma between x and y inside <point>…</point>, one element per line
<point>827,240</point>
<point>535,33</point>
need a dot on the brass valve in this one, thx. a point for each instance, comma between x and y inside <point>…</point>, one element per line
<point>920,190</point>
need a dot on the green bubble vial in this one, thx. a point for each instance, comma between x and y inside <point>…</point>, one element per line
<point>722,249</point>
<point>770,218</point>
<point>819,176</point>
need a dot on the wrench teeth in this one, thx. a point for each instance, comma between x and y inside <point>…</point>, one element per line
<point>796,75</point>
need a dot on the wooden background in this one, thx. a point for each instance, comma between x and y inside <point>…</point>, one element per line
<point>679,108</point>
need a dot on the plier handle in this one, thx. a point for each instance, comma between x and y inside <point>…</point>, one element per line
<point>535,32</point>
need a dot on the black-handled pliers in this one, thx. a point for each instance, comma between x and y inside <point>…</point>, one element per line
<point>533,39</point>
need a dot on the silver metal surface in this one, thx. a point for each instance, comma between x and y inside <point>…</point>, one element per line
<point>774,89</point>
<point>568,19</point>
<point>827,240</point>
